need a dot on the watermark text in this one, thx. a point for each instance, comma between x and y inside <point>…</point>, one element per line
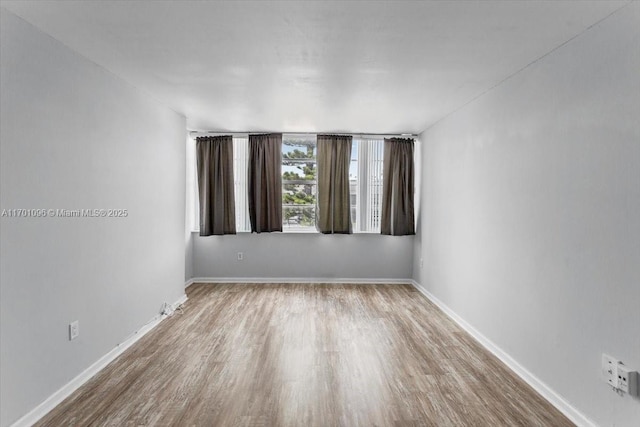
<point>64,213</point>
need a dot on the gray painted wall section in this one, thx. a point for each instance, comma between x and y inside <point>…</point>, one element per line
<point>73,136</point>
<point>530,215</point>
<point>290,255</point>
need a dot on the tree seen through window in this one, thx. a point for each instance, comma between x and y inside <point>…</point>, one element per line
<point>299,185</point>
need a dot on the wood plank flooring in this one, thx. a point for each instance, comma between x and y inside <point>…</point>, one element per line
<point>306,355</point>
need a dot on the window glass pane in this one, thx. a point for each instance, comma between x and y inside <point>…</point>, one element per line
<point>299,187</point>
<point>353,184</point>
<point>240,164</point>
<point>299,217</point>
<point>370,156</point>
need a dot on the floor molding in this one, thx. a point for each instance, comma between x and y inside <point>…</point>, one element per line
<point>544,390</point>
<point>296,280</point>
<point>65,391</point>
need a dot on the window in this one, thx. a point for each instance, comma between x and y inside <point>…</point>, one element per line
<point>240,160</point>
<point>365,176</point>
<point>299,185</point>
<point>353,184</point>
<point>240,176</point>
<point>299,182</point>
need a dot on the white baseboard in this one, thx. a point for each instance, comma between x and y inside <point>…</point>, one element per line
<point>544,390</point>
<point>188,283</point>
<point>65,391</point>
<point>296,280</point>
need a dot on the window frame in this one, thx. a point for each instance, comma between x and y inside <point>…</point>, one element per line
<point>314,183</point>
<point>365,215</point>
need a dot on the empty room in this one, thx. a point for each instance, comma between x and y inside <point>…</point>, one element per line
<point>320,213</point>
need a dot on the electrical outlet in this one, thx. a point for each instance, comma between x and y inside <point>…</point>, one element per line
<point>166,310</point>
<point>240,256</point>
<point>610,370</point>
<point>74,330</point>
<point>627,380</point>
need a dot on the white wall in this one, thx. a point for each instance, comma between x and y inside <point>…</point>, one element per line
<point>531,215</point>
<point>74,136</point>
<point>304,255</point>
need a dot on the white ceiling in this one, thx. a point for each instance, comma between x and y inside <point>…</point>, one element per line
<point>372,67</point>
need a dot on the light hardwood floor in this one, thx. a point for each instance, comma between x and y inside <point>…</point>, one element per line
<point>306,355</point>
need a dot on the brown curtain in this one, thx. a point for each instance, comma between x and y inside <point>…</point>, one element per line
<point>397,191</point>
<point>215,185</point>
<point>265,182</point>
<point>334,201</point>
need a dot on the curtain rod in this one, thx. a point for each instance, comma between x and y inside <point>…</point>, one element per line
<point>391,135</point>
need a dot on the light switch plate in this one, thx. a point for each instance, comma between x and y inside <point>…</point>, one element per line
<point>74,330</point>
